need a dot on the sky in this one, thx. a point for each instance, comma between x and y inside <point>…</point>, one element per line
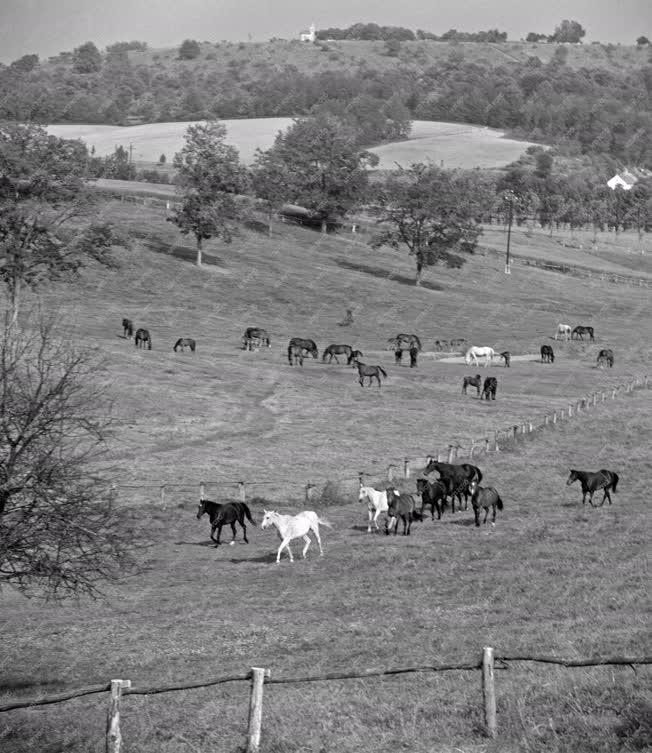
<point>46,27</point>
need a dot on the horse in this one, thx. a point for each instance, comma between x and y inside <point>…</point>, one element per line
<point>227,513</point>
<point>296,347</point>
<point>564,330</point>
<point>409,340</point>
<point>127,328</point>
<point>433,493</point>
<point>547,354</point>
<point>473,352</point>
<point>471,382</point>
<point>456,478</point>
<point>592,481</point>
<point>414,352</point>
<point>369,371</point>
<point>606,354</point>
<point>376,503</point>
<point>441,344</point>
<point>580,331</point>
<point>291,527</point>
<point>333,351</point>
<point>255,336</point>
<point>398,357</point>
<point>399,505</point>
<point>355,356</point>
<point>348,319</point>
<point>489,388</point>
<point>142,337</point>
<point>507,358</point>
<point>486,498</point>
<point>183,343</point>
<point>457,343</point>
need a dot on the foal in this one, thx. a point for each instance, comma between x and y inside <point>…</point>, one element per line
<point>484,497</point>
<point>475,381</point>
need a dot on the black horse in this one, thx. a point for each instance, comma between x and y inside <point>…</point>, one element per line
<point>468,381</point>
<point>227,513</point>
<point>414,352</point>
<point>400,505</point>
<point>456,478</point>
<point>489,388</point>
<point>482,497</point>
<point>143,338</point>
<point>127,328</point>
<point>407,340</point>
<point>255,337</point>
<point>398,356</point>
<point>507,358</point>
<point>296,348</point>
<point>333,351</point>
<point>547,354</point>
<point>606,355</point>
<point>369,371</point>
<point>183,343</point>
<point>592,481</point>
<point>433,494</point>
<point>355,356</point>
<point>580,331</point>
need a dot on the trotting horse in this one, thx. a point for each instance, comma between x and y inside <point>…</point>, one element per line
<point>369,371</point>
<point>468,381</point>
<point>547,354</point>
<point>255,337</point>
<point>433,494</point>
<point>482,497</point>
<point>333,351</point>
<point>183,343</point>
<point>564,330</point>
<point>580,331</point>
<point>376,503</point>
<point>592,481</point>
<point>473,352</point>
<point>291,527</point>
<point>127,328</point>
<point>225,514</point>
<point>399,505</point>
<point>143,337</point>
<point>606,355</point>
<point>297,346</point>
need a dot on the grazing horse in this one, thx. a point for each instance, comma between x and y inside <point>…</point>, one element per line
<point>473,352</point>
<point>355,356</point>
<point>333,351</point>
<point>255,337</point>
<point>127,328</point>
<point>296,349</point>
<point>606,355</point>
<point>376,503</point>
<point>399,505</point>
<point>456,479</point>
<point>564,330</point>
<point>348,319</point>
<point>142,337</point>
<point>183,343</point>
<point>407,341</point>
<point>592,481</point>
<point>580,331</point>
<point>468,381</point>
<point>489,388</point>
<point>227,513</point>
<point>457,343</point>
<point>486,498</point>
<point>291,527</point>
<point>369,371</point>
<point>433,494</point>
<point>507,358</point>
<point>547,354</point>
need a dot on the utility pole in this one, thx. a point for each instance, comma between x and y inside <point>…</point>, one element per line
<point>131,149</point>
<point>509,196</point>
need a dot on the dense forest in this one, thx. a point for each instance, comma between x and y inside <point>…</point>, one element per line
<point>581,110</point>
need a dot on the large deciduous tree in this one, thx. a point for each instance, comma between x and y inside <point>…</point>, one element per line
<point>433,213</point>
<point>60,531</point>
<point>46,210</point>
<point>568,31</point>
<point>209,175</point>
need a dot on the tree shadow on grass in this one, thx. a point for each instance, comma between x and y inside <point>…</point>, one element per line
<point>384,273</point>
<point>185,253</point>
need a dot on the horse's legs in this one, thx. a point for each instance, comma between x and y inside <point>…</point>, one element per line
<point>219,533</point>
<point>486,513</point>
<point>315,530</point>
<point>213,527</point>
<point>284,544</point>
<point>371,516</point>
<point>306,538</point>
<point>377,513</point>
<point>493,519</point>
<point>476,512</point>
<point>591,499</point>
<point>233,529</point>
<point>606,496</point>
<point>244,530</point>
<point>361,381</point>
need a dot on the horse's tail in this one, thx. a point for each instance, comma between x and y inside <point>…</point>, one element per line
<point>614,481</point>
<point>247,512</point>
<point>290,354</point>
<point>326,352</point>
<point>323,522</point>
<point>382,371</point>
<point>499,502</point>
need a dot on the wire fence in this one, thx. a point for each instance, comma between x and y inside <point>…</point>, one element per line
<point>488,662</point>
<point>331,490</point>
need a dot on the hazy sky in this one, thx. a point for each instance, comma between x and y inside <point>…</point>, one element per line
<point>50,26</point>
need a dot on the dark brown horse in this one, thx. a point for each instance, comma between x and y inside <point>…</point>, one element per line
<point>592,481</point>
<point>484,498</point>
<point>333,351</point>
<point>143,338</point>
<point>489,388</point>
<point>369,371</point>
<point>399,505</point>
<point>183,343</point>
<point>296,348</point>
<point>227,513</point>
<point>127,328</point>
<point>580,331</point>
<point>547,354</point>
<point>433,495</point>
<point>468,381</point>
<point>606,355</point>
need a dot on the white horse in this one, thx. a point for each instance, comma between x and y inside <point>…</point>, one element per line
<point>473,352</point>
<point>564,330</point>
<point>376,503</point>
<point>292,526</point>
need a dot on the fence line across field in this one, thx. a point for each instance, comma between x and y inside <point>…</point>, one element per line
<point>261,676</point>
<point>403,469</point>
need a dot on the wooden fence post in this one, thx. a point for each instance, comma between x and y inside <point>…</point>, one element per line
<point>486,444</point>
<point>545,420</point>
<point>496,448</point>
<point>570,410</point>
<point>258,675</point>
<point>439,454</point>
<point>489,690</point>
<point>406,468</point>
<point>113,734</point>
<point>163,494</point>
<point>309,487</point>
<point>554,417</point>
<point>390,472</point>
<point>472,450</point>
<point>515,429</point>
<point>450,453</point>
<point>242,493</point>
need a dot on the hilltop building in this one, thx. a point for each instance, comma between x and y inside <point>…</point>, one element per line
<point>310,35</point>
<point>627,179</point>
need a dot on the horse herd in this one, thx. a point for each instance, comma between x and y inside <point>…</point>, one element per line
<point>461,482</point>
